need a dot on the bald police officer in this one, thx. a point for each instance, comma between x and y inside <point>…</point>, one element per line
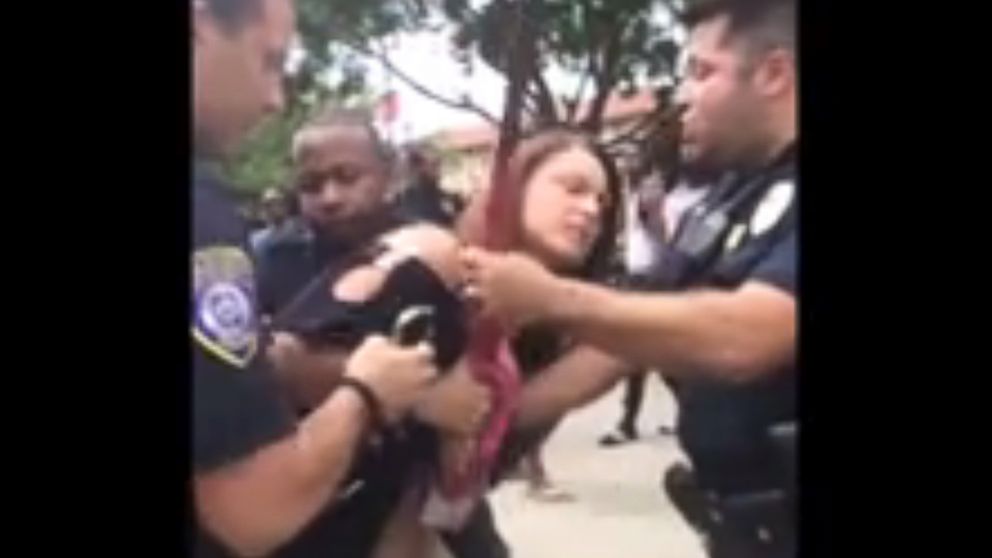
<point>728,332</point>
<point>258,475</point>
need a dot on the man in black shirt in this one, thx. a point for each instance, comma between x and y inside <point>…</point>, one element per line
<point>343,173</point>
<point>259,475</point>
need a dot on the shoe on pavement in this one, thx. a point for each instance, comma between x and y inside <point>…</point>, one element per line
<point>617,438</point>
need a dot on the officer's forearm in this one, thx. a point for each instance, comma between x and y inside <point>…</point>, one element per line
<point>736,335</point>
<point>307,375</point>
<point>578,377</point>
<point>257,504</point>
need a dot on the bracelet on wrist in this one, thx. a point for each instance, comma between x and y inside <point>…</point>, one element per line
<point>377,419</point>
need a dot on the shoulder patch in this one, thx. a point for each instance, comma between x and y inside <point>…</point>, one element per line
<point>772,206</point>
<point>224,320</point>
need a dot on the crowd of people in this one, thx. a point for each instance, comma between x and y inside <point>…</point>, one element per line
<point>326,424</point>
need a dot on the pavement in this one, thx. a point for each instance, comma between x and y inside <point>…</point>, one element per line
<point>619,510</point>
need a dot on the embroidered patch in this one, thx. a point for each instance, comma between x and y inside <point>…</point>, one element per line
<point>224,319</point>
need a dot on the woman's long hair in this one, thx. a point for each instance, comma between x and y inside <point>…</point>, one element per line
<point>527,157</point>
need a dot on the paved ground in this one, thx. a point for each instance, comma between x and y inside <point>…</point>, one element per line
<point>619,511</point>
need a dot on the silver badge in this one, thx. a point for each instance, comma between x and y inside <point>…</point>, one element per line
<point>735,237</point>
<point>772,206</point>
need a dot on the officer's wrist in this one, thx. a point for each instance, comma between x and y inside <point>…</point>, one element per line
<point>372,409</point>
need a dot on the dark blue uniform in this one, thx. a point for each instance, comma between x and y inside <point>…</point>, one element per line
<point>236,404</point>
<point>743,230</point>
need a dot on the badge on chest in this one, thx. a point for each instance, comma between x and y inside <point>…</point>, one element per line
<point>768,213</point>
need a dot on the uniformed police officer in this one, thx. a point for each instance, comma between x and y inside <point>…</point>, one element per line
<point>731,338</point>
<point>259,475</point>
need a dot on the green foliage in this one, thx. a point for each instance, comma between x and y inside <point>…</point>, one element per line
<point>618,44</point>
<point>262,162</point>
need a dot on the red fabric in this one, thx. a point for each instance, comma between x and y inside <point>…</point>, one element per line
<point>495,366</point>
<point>490,358</point>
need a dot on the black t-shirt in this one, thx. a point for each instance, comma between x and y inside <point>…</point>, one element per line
<point>237,405</point>
<point>744,230</point>
<point>290,261</point>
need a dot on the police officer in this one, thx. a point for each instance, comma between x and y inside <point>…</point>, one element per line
<point>259,476</point>
<point>729,334</point>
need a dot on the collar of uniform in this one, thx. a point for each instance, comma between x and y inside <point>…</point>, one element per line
<point>787,157</point>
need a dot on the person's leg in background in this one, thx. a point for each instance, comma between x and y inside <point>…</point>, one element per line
<point>539,483</point>
<point>633,398</point>
<point>669,429</point>
<point>479,538</point>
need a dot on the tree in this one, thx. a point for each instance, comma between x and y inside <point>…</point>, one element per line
<point>616,46</point>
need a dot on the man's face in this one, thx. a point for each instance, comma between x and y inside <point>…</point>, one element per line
<point>274,210</point>
<point>342,179</point>
<point>238,72</point>
<point>723,113</point>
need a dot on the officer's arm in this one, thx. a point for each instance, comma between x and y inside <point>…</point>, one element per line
<point>308,375</point>
<point>258,503</point>
<point>576,378</point>
<point>738,335</point>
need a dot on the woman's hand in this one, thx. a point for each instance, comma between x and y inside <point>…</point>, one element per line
<point>456,404</point>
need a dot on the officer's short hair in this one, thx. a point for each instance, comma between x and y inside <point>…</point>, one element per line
<point>232,14</point>
<point>763,24</point>
<point>332,117</point>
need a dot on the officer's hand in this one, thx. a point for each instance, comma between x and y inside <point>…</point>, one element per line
<point>397,375</point>
<point>458,404</point>
<point>511,286</point>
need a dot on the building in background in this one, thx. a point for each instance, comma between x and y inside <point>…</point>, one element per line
<point>467,150</point>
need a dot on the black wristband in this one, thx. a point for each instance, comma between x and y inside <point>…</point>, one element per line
<point>377,419</point>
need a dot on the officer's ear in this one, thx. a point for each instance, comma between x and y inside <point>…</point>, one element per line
<point>776,74</point>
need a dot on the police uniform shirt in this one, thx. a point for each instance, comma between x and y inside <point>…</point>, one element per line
<point>237,406</point>
<point>743,230</point>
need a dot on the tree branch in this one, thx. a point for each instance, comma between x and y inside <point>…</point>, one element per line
<point>656,116</point>
<point>677,14</point>
<point>464,104</point>
<point>606,78</point>
<point>573,107</point>
<point>545,100</point>
<point>591,69</point>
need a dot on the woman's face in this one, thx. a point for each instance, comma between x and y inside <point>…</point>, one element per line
<point>563,206</point>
